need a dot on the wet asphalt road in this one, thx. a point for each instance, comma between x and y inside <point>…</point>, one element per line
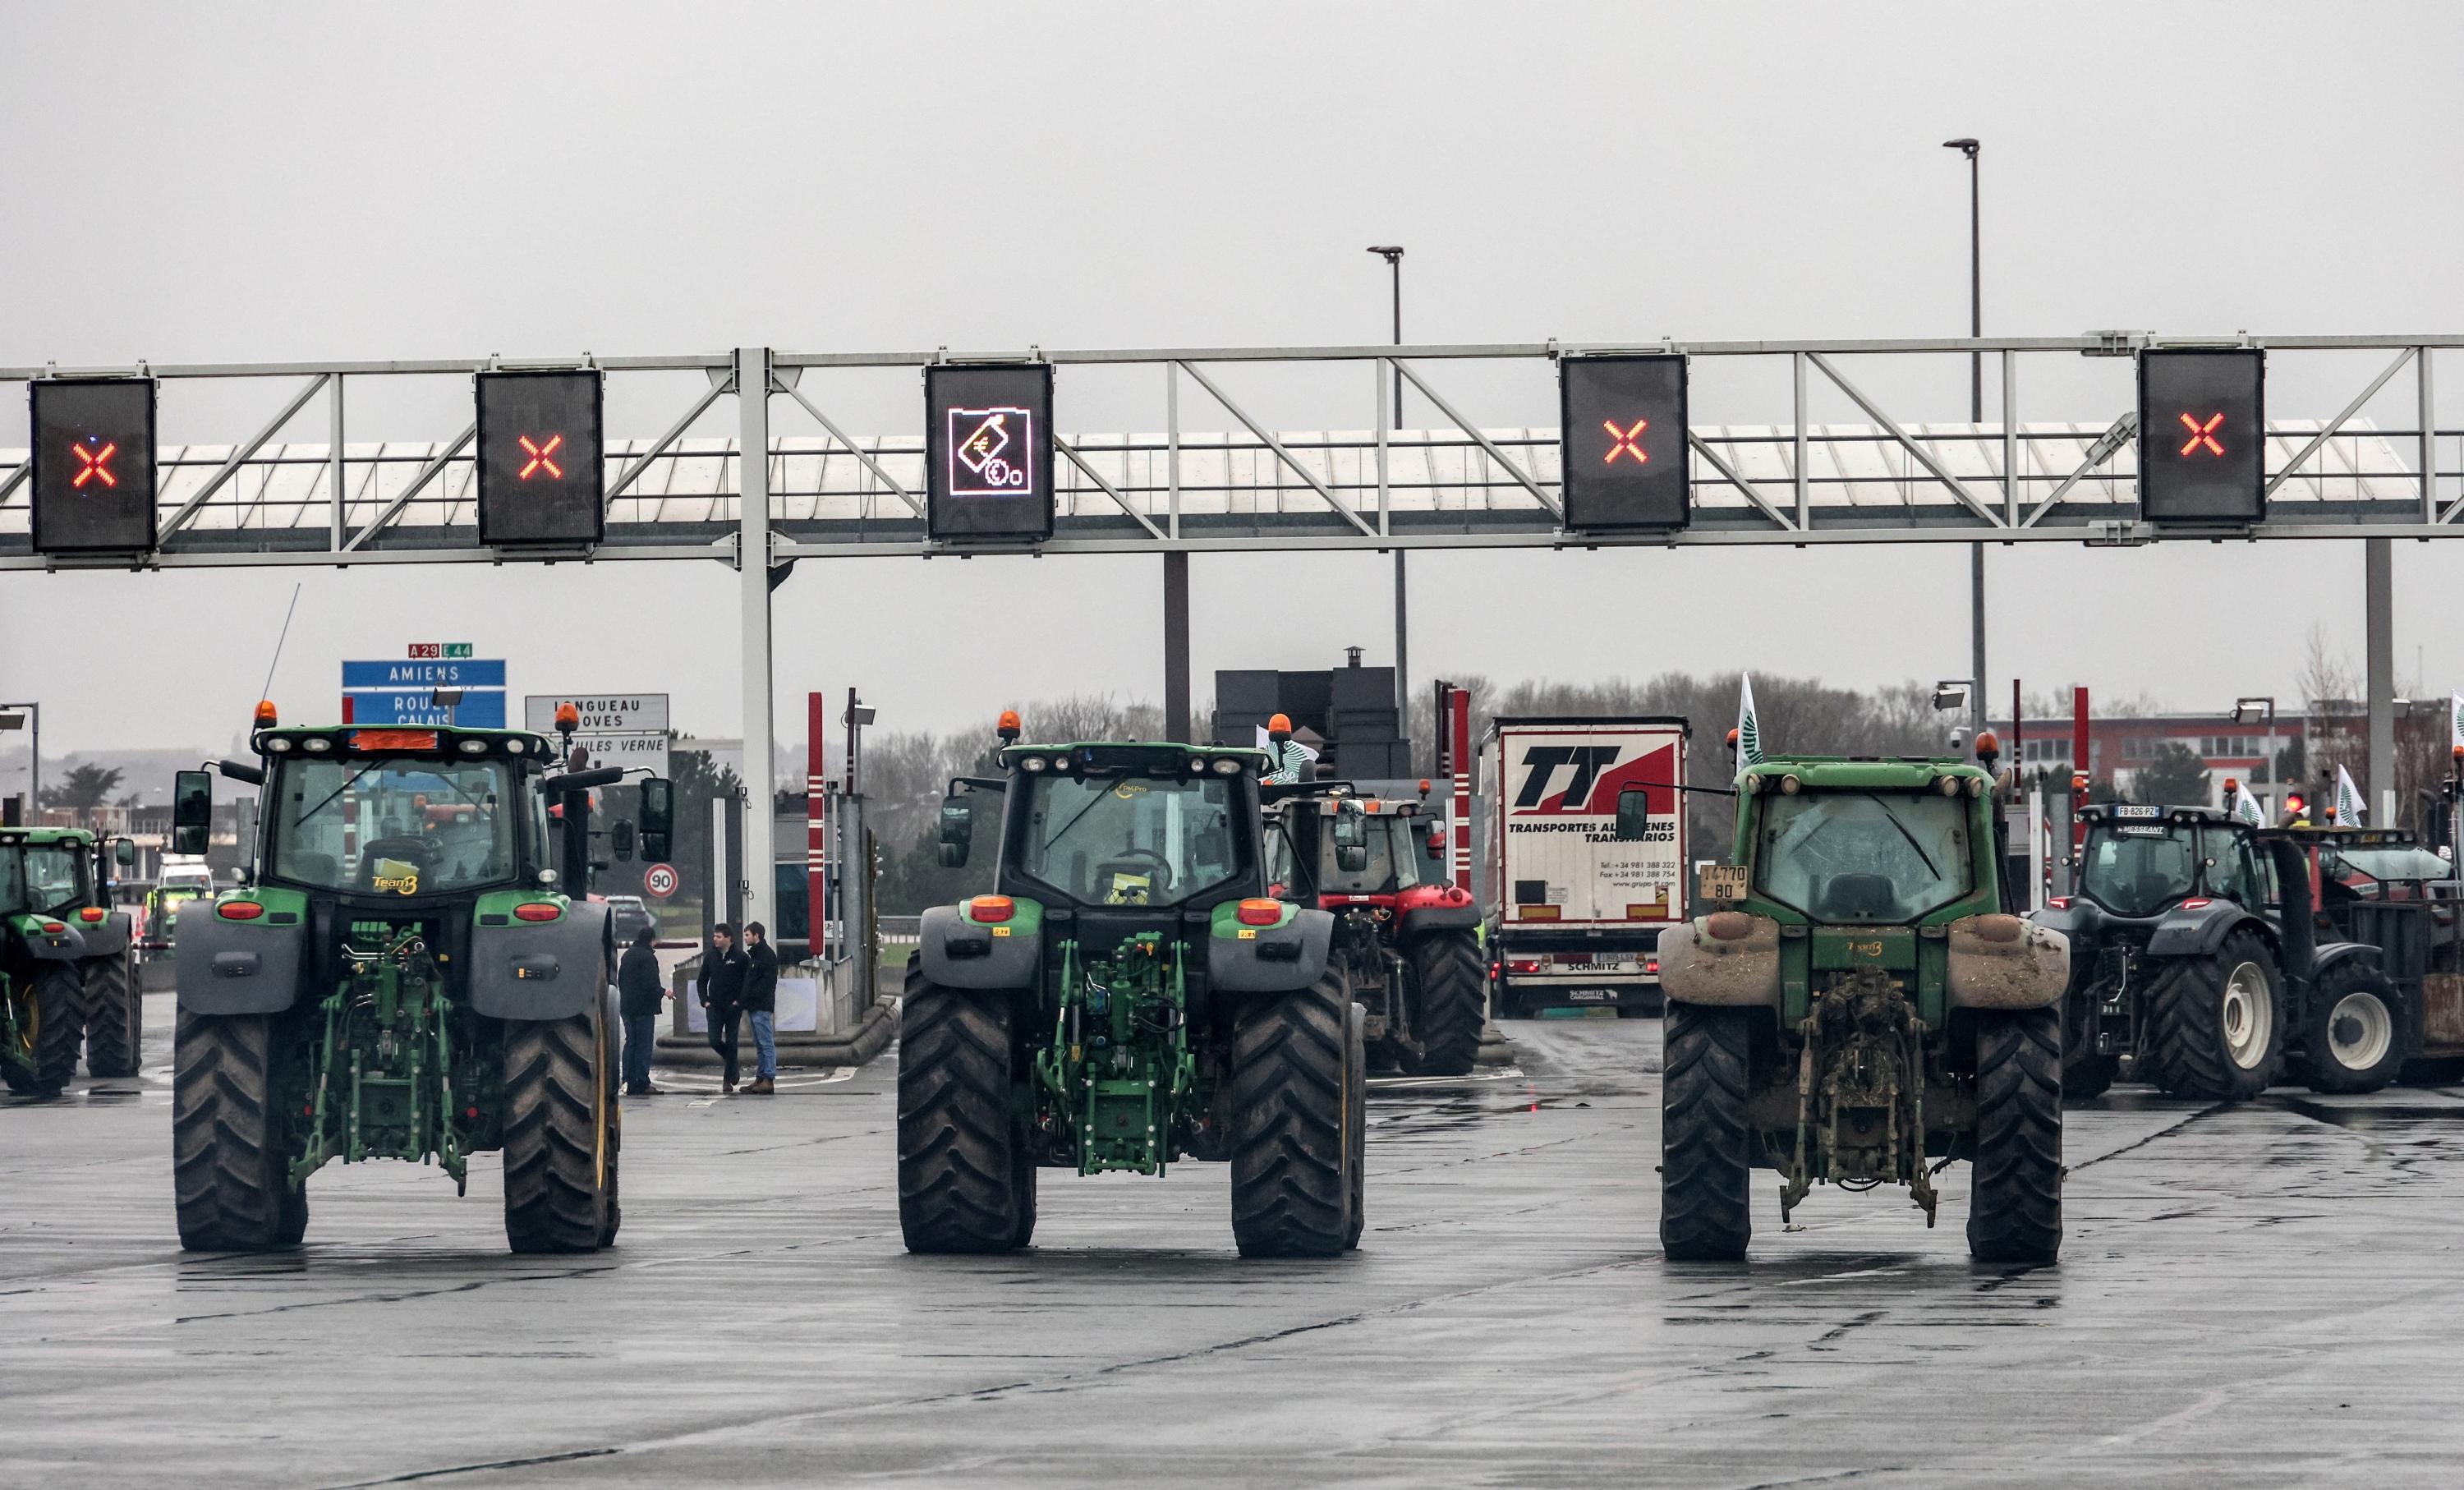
<point>2266,1296</point>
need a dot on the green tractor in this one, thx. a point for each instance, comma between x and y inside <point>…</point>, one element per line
<point>413,969</point>
<point>68,974</point>
<point>1126,998</point>
<point>1861,1008</point>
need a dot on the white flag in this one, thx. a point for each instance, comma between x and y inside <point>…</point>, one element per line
<point>1749,730</point>
<point>2455,721</point>
<point>2247,808</point>
<point>2348,800</point>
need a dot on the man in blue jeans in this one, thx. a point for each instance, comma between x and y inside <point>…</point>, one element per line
<point>637,986</point>
<point>760,1003</point>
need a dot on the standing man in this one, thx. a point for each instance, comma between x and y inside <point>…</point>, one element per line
<point>637,984</point>
<point>721,987</point>
<point>762,1002</point>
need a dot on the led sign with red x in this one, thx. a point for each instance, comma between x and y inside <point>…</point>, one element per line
<point>541,457</point>
<point>2203,435</point>
<point>1625,442</point>
<point>94,464</point>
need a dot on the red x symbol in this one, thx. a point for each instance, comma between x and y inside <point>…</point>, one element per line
<point>97,466</point>
<point>1625,442</point>
<point>2203,434</point>
<point>538,454</point>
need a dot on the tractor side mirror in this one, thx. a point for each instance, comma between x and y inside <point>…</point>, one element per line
<point>620,839</point>
<point>123,852</point>
<point>958,831</point>
<point>1632,816</point>
<point>192,812</point>
<point>1350,841</point>
<point>659,819</point>
<point>1352,858</point>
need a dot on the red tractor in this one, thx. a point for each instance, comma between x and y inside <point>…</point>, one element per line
<point>1407,943</point>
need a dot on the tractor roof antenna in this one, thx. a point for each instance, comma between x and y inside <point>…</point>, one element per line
<point>267,692</point>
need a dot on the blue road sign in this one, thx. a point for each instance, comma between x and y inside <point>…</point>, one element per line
<point>481,708</point>
<point>482,672</point>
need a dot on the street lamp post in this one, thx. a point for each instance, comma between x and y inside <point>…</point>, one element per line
<point>2274,797</point>
<point>1976,406</point>
<point>1393,254</point>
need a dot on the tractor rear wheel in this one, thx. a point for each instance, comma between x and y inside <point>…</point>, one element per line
<point>2014,1212</point>
<point>59,1026</point>
<point>2215,1023</point>
<point>559,1162</point>
<point>1292,1090</point>
<point>230,1136</point>
<point>115,1015</point>
<point>1355,1123</point>
<point>1705,1148</point>
<point>966,1171</point>
<point>2356,1035</point>
<point>1451,1002</point>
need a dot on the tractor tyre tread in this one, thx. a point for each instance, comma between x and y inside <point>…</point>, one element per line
<point>556,1194</point>
<point>1452,988</point>
<point>1706,1156</point>
<point>60,991</point>
<point>114,1036</point>
<point>2014,1212</point>
<point>230,1164</point>
<point>966,1176</point>
<point>1288,1086</point>
<point>2320,1072</point>
<point>2184,1040</point>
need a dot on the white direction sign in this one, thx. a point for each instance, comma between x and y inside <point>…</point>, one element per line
<point>628,729</point>
<point>602,713</point>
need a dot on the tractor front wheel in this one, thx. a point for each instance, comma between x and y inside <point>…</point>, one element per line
<point>966,1171</point>
<point>2014,1212</point>
<point>230,1136</point>
<point>559,1157</point>
<point>2356,1035</point>
<point>60,1029</point>
<point>1705,1148</point>
<point>1293,1088</point>
<point>1450,991</point>
<point>115,1015</point>
<point>2215,1023</point>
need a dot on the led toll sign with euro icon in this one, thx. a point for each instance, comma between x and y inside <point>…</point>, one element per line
<point>1623,442</point>
<point>2201,435</point>
<point>94,464</point>
<point>541,437</point>
<point>988,450</point>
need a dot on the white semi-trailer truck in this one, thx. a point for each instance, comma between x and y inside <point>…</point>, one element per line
<point>1574,915</point>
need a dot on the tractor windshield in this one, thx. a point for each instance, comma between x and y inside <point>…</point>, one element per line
<point>1847,857</point>
<point>393,824</point>
<point>1393,865</point>
<point>56,876</point>
<point>1130,840</point>
<point>2137,868</point>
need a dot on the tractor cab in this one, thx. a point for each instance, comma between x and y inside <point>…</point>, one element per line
<point>2137,864</point>
<point>1327,845</point>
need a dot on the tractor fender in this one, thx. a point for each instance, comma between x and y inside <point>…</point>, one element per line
<point>237,967</point>
<point>1728,957</point>
<point>2003,962</point>
<point>959,952</point>
<point>65,945</point>
<point>108,937</point>
<point>2331,954</point>
<point>536,969</point>
<point>1419,921</point>
<point>1277,960</point>
<point>2188,932</point>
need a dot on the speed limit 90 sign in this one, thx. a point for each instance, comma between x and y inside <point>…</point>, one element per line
<point>660,880</point>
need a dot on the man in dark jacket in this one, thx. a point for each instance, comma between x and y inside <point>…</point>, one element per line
<point>721,987</point>
<point>761,1004</point>
<point>637,984</point>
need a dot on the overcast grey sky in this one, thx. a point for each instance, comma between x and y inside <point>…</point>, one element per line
<point>264,181</point>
